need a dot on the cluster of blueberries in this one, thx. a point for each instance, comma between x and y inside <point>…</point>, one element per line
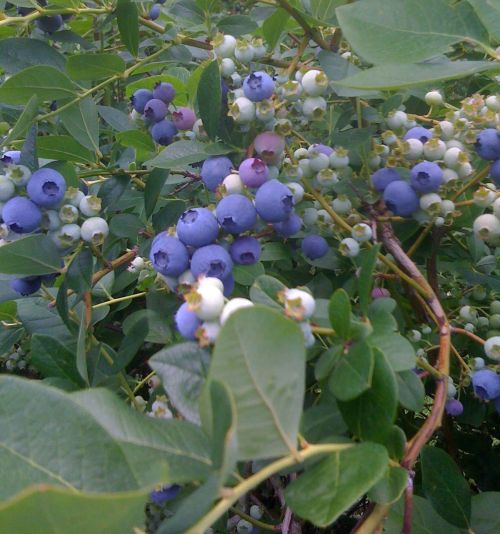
<point>49,23</point>
<point>41,201</point>
<point>153,107</point>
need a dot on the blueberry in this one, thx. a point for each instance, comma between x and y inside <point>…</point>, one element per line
<point>253,172</point>
<point>245,250</point>
<point>228,283</point>
<point>166,493</point>
<point>154,12</point>
<point>400,198</point>
<point>486,384</point>
<point>211,260</point>
<point>11,157</point>
<point>495,172</point>
<point>49,24</point>
<point>164,91</point>
<point>269,146</point>
<point>383,177</point>
<point>274,201</point>
<point>21,215</point>
<point>168,255</point>
<point>314,246</point>
<point>426,177</point>
<point>163,132</point>
<point>322,149</point>
<point>236,214</point>
<point>140,98</point>
<point>454,407</point>
<point>289,227</point>
<point>258,86</point>
<point>488,144</point>
<point>197,227</point>
<point>418,132</point>
<point>155,110</point>
<point>184,118</point>
<point>187,322</point>
<point>214,170</point>
<point>26,286</point>
<point>46,187</point>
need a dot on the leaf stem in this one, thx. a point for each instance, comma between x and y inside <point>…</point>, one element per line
<point>255,522</point>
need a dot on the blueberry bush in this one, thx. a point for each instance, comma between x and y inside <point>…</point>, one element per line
<point>249,273</point>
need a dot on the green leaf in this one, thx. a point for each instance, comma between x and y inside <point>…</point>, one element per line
<point>127,450</point>
<point>79,274</point>
<point>390,487</point>
<point>260,356</point>
<point>81,350</point>
<point>38,318</point>
<point>94,66</point>
<point>130,344</point>
<point>332,485</point>
<point>445,487</point>
<point>63,147</point>
<point>136,139</point>
<point>247,274</point>
<point>237,25</point>
<point>182,369</point>
<point>266,290</point>
<point>209,98</point>
<point>274,26</point>
<point>31,255</point>
<point>411,391</point>
<point>24,122</point>
<point>371,415</point>
<point>8,338</point>
<point>353,372</point>
<point>324,10</point>
<point>397,76</point>
<point>322,422</point>
<point>18,53</point>
<point>488,12</point>
<point>118,120</point>
<point>29,154</point>
<point>485,518</point>
<point>367,261</point>
<point>47,83</point>
<point>180,154</point>
<point>274,251</point>
<point>391,31</point>
<point>82,123</point>
<point>154,184</point>
<point>127,17</point>
<point>126,225</point>
<point>168,214</point>
<point>52,358</point>
<point>112,190</point>
<point>47,510</point>
<point>339,311</point>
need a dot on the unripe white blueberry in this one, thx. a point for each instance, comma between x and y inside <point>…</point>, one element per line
<point>451,391</point>
<point>310,216</point>
<point>479,363</point>
<point>308,334</point>
<point>297,190</point>
<point>349,247</point>
<point>227,66</point>
<point>496,207</point>
<point>7,188</point>
<point>468,313</point>
<point>314,107</point>
<point>51,220</point>
<point>492,348</point>
<point>232,306</point>
<point>415,336</point>
<point>208,332</point>
<point>483,322</point>
<point>486,227</point>
<point>73,196</point>
<point>305,167</point>
<point>464,170</point>
<point>314,82</point>
<point>199,130</point>
<point>256,511</point>
<point>18,174</point>
<point>319,162</point>
<point>95,230</point>
<point>452,157</point>
<point>434,149</point>
<point>243,52</point>
<point>326,178</point>
<point>339,158</point>
<point>264,110</point>
<point>412,149</point>
<point>396,119</point>
<point>236,79</point>
<point>431,202</point>
<point>361,232</point>
<point>445,130</point>
<point>211,281</point>
<point>389,138</point>
<point>232,184</point>
<point>439,221</point>
<point>449,176</point>
<point>454,143</point>
<point>299,303</point>
<point>66,236</point>
<point>207,302</point>
<point>484,197</point>
<point>324,217</point>
<point>433,98</point>
<point>301,153</point>
<point>291,90</point>
<point>469,327</point>
<point>186,278</point>
<point>426,329</point>
<point>224,45</point>
<point>342,205</point>
<point>259,49</point>
<point>68,213</point>
<point>493,103</point>
<point>242,110</point>
<point>136,265</point>
<point>90,205</point>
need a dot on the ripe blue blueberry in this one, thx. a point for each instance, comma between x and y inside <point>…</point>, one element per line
<point>383,177</point>
<point>258,86</point>
<point>269,146</point>
<point>236,214</point>
<point>168,255</point>
<point>21,215</point>
<point>418,132</point>
<point>314,246</point>
<point>197,227</point>
<point>212,260</point>
<point>274,201</point>
<point>187,322</point>
<point>322,149</point>
<point>164,91</point>
<point>289,227</point>
<point>183,118</point>
<point>245,250</point>
<point>486,384</point>
<point>253,172</point>
<point>214,170</point>
<point>26,286</point>
<point>140,98</point>
<point>454,407</point>
<point>488,144</point>
<point>495,172</point>
<point>426,177</point>
<point>163,132</point>
<point>155,110</point>
<point>164,494</point>
<point>228,283</point>
<point>11,157</point>
<point>46,187</point>
<point>400,198</point>
<point>49,24</point>
<point>154,12</point>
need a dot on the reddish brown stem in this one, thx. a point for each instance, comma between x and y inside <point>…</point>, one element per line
<point>475,338</point>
